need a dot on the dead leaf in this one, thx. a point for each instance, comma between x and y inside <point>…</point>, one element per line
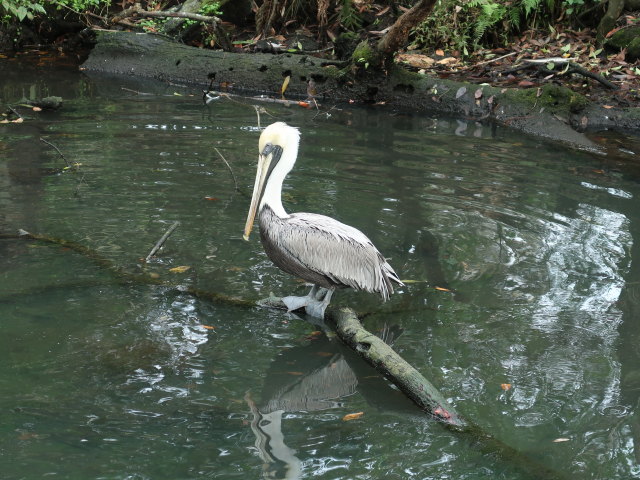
<point>447,61</point>
<point>180,269</point>
<point>505,386</point>
<point>478,94</point>
<point>607,106</point>
<point>561,439</point>
<point>36,109</point>
<point>208,327</point>
<point>285,84</point>
<point>440,52</point>
<point>212,199</point>
<point>442,412</point>
<point>18,120</point>
<point>461,91</point>
<point>442,289</point>
<point>304,104</point>
<point>611,32</point>
<point>352,416</point>
<point>526,84</point>
<point>416,60</point>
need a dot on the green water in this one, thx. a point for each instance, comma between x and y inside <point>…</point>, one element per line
<point>107,379</point>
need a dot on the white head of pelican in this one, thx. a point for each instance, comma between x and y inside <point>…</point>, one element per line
<point>316,248</point>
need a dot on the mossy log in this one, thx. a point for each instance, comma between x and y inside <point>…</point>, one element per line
<point>552,111</point>
<point>627,38</point>
<point>371,348</point>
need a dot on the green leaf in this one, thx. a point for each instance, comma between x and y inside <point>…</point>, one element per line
<point>21,12</point>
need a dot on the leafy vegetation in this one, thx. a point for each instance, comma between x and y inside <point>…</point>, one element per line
<point>489,23</point>
<point>20,9</point>
<point>27,9</point>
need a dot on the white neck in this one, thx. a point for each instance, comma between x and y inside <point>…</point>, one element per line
<point>273,190</point>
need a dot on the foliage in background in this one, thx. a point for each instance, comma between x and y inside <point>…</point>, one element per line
<point>475,24</point>
<point>20,9</point>
<point>27,9</point>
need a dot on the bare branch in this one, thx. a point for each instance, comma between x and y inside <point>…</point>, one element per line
<point>229,167</point>
<point>160,242</point>
<point>56,149</point>
<point>138,10</point>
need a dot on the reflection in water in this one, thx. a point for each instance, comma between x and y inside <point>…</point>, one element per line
<point>316,376</point>
<point>308,378</point>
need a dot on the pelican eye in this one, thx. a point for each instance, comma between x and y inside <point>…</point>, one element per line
<point>268,148</point>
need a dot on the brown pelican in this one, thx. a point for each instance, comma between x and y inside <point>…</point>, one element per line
<point>318,249</point>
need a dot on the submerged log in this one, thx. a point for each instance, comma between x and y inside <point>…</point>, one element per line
<point>368,346</point>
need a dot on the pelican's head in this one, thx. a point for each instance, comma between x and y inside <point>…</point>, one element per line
<point>277,153</point>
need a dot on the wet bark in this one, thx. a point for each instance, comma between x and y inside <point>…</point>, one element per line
<point>396,37</point>
<point>608,20</point>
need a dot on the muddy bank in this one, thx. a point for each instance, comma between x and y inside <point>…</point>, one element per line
<point>552,111</point>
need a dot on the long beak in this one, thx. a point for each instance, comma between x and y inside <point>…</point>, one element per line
<point>258,189</point>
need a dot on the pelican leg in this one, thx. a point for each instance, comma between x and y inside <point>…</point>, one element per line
<point>294,303</point>
<point>314,303</point>
<point>322,299</point>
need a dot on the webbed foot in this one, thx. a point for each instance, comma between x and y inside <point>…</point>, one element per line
<point>315,303</point>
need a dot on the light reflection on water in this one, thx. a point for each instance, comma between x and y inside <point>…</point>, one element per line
<point>533,241</point>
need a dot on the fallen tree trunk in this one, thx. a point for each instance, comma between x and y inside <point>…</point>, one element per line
<point>551,111</point>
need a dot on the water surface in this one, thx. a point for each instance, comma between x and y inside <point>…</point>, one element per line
<point>522,304</point>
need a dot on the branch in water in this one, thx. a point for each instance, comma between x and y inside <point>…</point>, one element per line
<point>235,182</point>
<point>160,242</point>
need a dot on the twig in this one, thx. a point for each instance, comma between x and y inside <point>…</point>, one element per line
<point>572,67</point>
<point>134,91</point>
<point>257,108</point>
<point>235,181</point>
<point>56,149</point>
<point>15,112</point>
<point>76,192</point>
<point>160,242</point>
<point>497,58</point>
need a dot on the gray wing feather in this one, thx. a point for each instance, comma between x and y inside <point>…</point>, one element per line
<point>337,251</point>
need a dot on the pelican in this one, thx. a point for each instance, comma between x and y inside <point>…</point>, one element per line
<point>316,248</point>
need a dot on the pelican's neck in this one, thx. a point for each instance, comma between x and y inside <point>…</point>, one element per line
<point>273,190</point>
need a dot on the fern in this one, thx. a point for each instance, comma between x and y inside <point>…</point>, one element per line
<point>348,17</point>
<point>529,6</point>
<point>514,17</point>
<point>491,13</point>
